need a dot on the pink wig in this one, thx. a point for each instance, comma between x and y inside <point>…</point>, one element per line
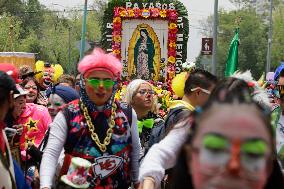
<point>99,60</point>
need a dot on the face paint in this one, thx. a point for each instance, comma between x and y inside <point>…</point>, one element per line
<point>47,78</point>
<point>217,151</point>
<point>57,104</point>
<point>215,163</point>
<point>54,104</point>
<point>212,141</point>
<point>214,151</point>
<point>257,147</point>
<point>253,155</point>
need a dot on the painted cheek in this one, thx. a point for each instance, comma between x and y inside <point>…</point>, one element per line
<point>199,179</point>
<point>90,88</point>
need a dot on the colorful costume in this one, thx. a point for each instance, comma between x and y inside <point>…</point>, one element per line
<point>111,164</point>
<point>35,120</point>
<point>104,135</point>
<point>77,142</point>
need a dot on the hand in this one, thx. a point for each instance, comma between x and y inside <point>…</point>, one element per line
<point>19,128</point>
<point>137,185</point>
<point>36,179</point>
<point>148,183</point>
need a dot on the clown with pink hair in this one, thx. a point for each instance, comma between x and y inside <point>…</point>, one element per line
<point>97,128</point>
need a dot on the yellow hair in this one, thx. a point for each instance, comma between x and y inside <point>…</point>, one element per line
<point>58,71</point>
<point>39,67</point>
<point>178,84</point>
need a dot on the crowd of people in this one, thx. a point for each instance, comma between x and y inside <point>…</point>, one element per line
<point>74,132</point>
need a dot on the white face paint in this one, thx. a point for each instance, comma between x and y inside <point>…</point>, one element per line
<point>54,104</point>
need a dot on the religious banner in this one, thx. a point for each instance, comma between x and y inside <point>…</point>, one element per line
<point>149,37</point>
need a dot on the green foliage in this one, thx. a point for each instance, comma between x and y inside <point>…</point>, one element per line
<point>277,39</point>
<point>253,40</point>
<point>13,7</point>
<point>252,35</point>
<point>45,32</point>
<point>9,26</point>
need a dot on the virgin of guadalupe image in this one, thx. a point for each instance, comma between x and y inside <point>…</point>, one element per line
<point>144,53</point>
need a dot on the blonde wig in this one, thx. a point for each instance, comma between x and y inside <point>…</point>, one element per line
<point>132,90</point>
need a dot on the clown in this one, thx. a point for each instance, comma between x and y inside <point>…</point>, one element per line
<point>48,74</point>
<point>230,144</point>
<point>97,128</point>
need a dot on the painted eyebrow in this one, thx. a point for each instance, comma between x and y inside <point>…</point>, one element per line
<point>215,134</point>
<point>255,146</point>
<point>101,78</point>
<point>254,139</point>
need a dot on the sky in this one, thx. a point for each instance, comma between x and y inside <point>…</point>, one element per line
<point>198,10</point>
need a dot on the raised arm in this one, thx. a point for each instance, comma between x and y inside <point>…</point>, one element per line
<point>56,140</point>
<point>163,155</point>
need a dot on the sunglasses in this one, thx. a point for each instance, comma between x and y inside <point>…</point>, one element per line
<point>144,92</point>
<point>203,90</point>
<point>106,83</point>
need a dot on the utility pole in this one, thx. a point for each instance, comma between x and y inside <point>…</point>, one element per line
<point>83,36</point>
<point>268,57</point>
<point>69,45</point>
<point>215,32</point>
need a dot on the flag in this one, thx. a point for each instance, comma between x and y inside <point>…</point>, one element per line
<point>232,59</point>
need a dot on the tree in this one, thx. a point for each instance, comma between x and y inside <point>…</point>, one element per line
<point>47,33</point>
<point>10,27</point>
<point>32,17</point>
<point>253,39</point>
<point>13,7</point>
<point>277,38</point>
